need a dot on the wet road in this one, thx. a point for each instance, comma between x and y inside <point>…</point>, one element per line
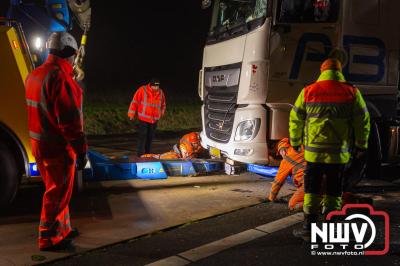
<point>212,220</point>
<point>109,212</point>
<point>256,235</point>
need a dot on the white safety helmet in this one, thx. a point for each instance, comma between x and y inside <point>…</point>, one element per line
<point>59,40</point>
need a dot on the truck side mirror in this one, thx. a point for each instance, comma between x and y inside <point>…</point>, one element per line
<point>205,4</point>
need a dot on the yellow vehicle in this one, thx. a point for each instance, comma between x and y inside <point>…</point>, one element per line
<point>16,161</point>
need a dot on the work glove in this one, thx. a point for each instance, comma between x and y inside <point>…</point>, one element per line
<point>271,197</point>
<point>297,148</point>
<point>283,152</point>
<point>136,125</point>
<point>359,153</point>
<point>81,161</point>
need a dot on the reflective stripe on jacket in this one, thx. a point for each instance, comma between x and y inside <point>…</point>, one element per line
<point>328,117</point>
<point>148,104</point>
<point>54,103</point>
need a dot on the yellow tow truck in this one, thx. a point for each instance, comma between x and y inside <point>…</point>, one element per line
<point>16,160</point>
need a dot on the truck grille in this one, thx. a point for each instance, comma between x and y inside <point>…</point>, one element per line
<point>219,115</point>
<point>220,100</point>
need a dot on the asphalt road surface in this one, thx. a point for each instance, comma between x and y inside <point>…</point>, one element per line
<point>213,220</point>
<point>222,240</point>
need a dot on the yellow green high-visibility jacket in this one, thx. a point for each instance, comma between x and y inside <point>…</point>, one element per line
<point>329,118</point>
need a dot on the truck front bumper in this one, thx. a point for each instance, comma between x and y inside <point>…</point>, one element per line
<point>251,152</point>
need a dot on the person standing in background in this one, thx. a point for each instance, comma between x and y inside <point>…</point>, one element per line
<point>148,104</point>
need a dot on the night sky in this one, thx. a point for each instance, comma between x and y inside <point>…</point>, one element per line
<point>129,45</point>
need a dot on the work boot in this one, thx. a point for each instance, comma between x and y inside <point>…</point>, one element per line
<point>74,233</point>
<point>365,200</point>
<point>348,198</point>
<point>65,244</point>
<point>305,231</point>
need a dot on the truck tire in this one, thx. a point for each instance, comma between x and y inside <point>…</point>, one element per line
<point>9,176</point>
<point>374,153</point>
<point>79,185</point>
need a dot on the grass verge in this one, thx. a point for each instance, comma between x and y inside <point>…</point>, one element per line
<point>111,118</point>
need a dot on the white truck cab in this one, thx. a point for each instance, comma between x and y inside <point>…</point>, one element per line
<point>261,53</point>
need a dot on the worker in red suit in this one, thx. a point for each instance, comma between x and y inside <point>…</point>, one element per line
<point>292,164</point>
<point>54,103</point>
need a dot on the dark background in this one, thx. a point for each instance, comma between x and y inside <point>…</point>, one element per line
<point>132,41</point>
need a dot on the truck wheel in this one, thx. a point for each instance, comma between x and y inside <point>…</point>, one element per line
<point>79,185</point>
<point>374,160</point>
<point>9,177</point>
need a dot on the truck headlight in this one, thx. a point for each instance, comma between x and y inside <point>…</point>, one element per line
<point>247,130</point>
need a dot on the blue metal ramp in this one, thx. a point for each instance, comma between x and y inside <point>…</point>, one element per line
<point>104,168</point>
<point>266,171</point>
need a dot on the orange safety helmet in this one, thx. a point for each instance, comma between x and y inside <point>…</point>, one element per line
<point>192,139</point>
<point>331,64</point>
<point>189,145</point>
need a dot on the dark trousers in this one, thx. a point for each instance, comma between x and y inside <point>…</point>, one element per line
<point>146,133</point>
<point>313,179</point>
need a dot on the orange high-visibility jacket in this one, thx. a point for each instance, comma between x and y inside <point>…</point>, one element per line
<point>54,103</point>
<point>148,104</point>
<point>189,145</point>
<point>163,156</point>
<point>293,164</point>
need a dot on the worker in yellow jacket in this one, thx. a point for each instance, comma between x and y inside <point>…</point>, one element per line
<point>331,120</point>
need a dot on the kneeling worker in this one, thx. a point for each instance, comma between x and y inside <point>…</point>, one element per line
<point>189,147</point>
<point>293,164</point>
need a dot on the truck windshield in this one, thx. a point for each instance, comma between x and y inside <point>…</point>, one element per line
<point>231,17</point>
<point>308,11</point>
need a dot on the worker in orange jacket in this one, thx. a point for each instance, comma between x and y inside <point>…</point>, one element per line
<point>293,164</point>
<point>148,104</point>
<point>188,148</point>
<point>54,103</point>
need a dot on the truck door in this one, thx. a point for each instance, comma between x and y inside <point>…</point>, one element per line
<point>303,35</point>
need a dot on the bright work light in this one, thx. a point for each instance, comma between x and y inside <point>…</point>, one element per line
<point>38,43</point>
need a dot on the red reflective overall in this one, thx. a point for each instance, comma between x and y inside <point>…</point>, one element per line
<point>54,101</point>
